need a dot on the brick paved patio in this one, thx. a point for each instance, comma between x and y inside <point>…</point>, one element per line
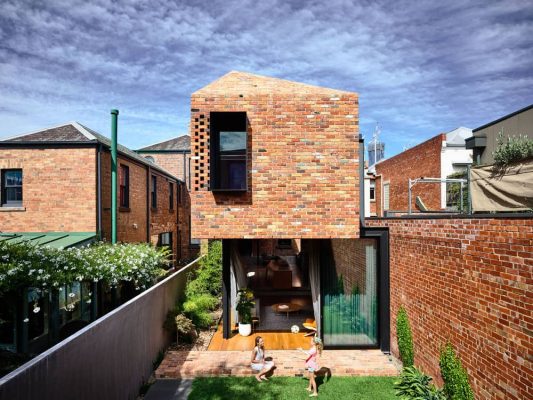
<point>189,364</point>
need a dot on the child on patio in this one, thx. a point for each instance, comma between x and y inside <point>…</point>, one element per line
<point>259,363</point>
<point>311,364</point>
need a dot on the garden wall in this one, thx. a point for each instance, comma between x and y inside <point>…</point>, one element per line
<point>470,281</point>
<point>109,359</point>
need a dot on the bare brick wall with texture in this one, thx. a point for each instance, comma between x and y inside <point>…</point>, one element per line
<point>59,190</point>
<point>302,162</point>
<point>175,163</point>
<point>469,281</point>
<point>422,160</point>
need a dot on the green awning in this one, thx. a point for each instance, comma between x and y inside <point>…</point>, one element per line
<point>52,239</point>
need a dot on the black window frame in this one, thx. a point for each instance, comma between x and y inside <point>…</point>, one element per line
<point>179,193</point>
<point>372,190</point>
<point>226,122</point>
<point>171,196</point>
<point>5,202</point>
<point>153,193</point>
<point>170,240</point>
<point>124,202</point>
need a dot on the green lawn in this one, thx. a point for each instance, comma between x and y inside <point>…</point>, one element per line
<point>283,388</point>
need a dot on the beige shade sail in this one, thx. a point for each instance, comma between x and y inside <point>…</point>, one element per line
<point>502,189</point>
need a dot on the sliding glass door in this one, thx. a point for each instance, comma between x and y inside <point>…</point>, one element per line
<point>349,292</point>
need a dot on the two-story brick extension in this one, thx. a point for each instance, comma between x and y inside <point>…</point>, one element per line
<point>276,171</point>
<point>59,180</point>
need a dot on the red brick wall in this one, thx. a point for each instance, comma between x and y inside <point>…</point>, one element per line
<point>131,226</point>
<point>422,160</point>
<point>59,190</point>
<point>175,163</point>
<point>303,161</point>
<point>131,223</point>
<point>469,281</point>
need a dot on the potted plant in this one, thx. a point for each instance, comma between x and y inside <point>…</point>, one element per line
<point>244,307</point>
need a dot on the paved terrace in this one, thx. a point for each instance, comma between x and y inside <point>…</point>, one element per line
<point>190,364</point>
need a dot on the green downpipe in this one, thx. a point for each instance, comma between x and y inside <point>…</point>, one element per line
<point>114,118</point>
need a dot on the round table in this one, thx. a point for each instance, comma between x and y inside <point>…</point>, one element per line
<point>286,308</point>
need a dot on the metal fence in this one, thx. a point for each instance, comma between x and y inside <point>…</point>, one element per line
<point>109,359</point>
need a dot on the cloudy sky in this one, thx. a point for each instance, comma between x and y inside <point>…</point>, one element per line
<point>420,68</point>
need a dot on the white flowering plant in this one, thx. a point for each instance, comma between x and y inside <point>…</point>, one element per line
<point>24,264</point>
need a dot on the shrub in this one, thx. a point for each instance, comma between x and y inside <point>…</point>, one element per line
<point>26,265</point>
<point>455,377</point>
<point>416,385</point>
<point>184,326</point>
<point>405,338</point>
<point>198,309</point>
<point>207,279</point>
<point>170,320</point>
<point>512,150</point>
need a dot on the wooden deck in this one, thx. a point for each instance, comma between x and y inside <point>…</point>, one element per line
<point>273,341</point>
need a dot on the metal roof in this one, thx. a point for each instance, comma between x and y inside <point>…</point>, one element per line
<point>52,239</point>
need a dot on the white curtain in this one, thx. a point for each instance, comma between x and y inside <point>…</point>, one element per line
<point>314,280</point>
<point>238,280</point>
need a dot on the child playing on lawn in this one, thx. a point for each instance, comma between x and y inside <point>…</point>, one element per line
<point>311,364</point>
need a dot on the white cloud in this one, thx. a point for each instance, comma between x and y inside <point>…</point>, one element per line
<point>420,68</point>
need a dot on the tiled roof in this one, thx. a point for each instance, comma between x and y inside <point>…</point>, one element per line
<point>182,143</point>
<point>74,132</point>
<point>236,82</point>
<point>63,133</point>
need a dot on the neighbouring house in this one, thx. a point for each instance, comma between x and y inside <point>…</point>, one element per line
<point>59,180</point>
<point>275,174</point>
<point>484,140</point>
<point>174,155</point>
<point>437,158</point>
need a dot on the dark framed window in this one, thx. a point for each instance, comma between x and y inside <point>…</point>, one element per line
<point>124,186</point>
<point>12,187</point>
<point>170,196</point>
<point>154,191</point>
<point>165,239</point>
<point>228,140</point>
<point>372,190</point>
<point>179,194</point>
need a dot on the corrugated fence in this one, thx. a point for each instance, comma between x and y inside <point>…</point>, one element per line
<point>108,359</point>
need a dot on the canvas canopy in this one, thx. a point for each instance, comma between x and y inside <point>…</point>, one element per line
<point>502,189</point>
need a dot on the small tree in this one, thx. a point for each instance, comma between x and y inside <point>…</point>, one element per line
<point>405,338</point>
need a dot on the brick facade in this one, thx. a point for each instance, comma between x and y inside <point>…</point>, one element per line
<point>423,160</point>
<point>469,281</point>
<point>302,161</point>
<point>175,163</point>
<point>59,190</point>
<point>60,194</point>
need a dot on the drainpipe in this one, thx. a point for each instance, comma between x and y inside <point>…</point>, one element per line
<point>99,191</point>
<point>362,180</point>
<point>114,117</point>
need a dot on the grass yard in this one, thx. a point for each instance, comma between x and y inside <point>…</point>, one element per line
<point>285,388</point>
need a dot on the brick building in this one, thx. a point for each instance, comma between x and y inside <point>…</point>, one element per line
<point>438,157</point>
<point>275,173</point>
<point>59,180</point>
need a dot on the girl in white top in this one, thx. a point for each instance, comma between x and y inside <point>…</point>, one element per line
<point>258,360</point>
